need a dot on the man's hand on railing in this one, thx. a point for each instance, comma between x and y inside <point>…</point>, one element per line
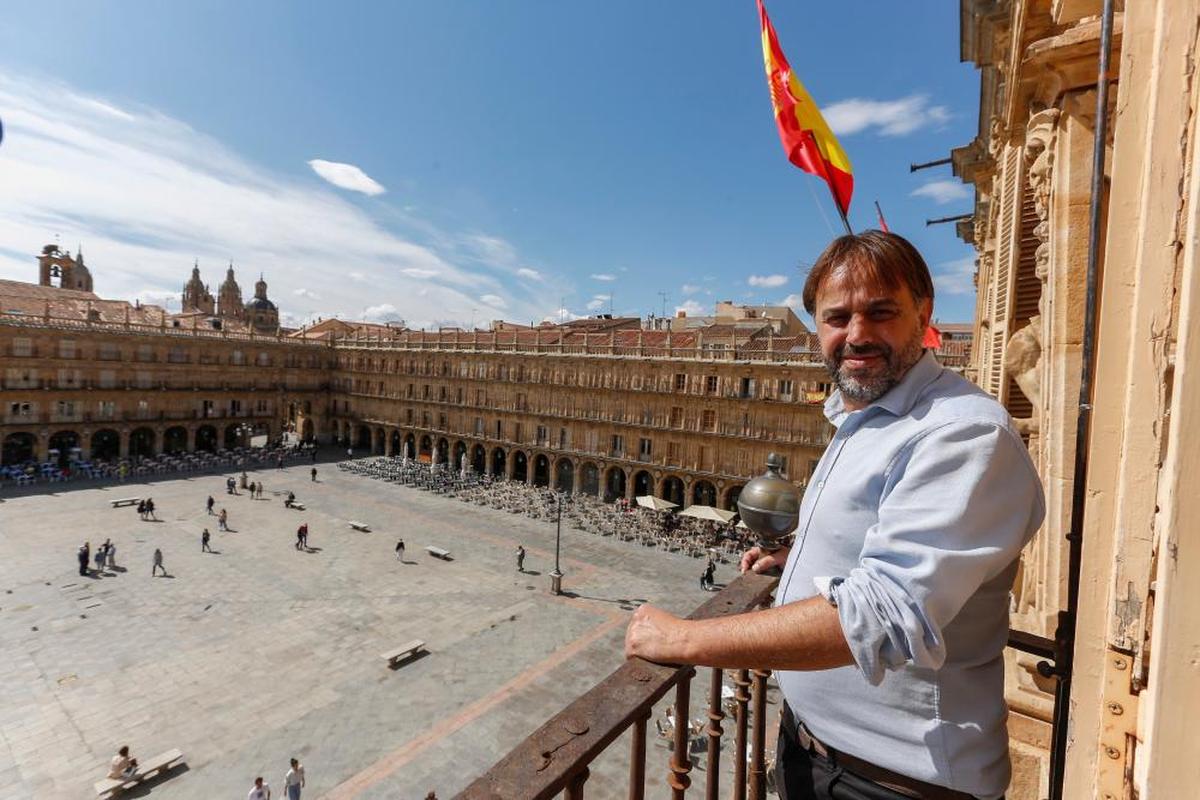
<point>656,635</point>
<point>758,560</point>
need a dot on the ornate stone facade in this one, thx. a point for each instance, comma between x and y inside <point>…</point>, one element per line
<point>1031,166</point>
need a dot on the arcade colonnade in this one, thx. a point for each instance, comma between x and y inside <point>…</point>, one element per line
<point>606,478</point>
<point>126,440</point>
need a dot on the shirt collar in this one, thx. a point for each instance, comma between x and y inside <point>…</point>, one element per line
<point>898,400</point>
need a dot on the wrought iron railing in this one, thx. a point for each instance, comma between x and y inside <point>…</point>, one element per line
<point>556,758</point>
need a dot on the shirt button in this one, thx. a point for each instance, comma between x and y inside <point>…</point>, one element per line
<point>820,484</point>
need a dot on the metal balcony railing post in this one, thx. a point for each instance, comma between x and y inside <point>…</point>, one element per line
<point>712,787</point>
<point>758,782</point>
<point>637,760</point>
<point>681,765</point>
<point>741,697</point>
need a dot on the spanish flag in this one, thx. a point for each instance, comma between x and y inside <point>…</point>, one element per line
<point>807,140</point>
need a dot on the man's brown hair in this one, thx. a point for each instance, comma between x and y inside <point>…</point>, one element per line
<point>874,256</point>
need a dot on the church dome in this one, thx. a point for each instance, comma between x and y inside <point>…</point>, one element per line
<point>260,304</point>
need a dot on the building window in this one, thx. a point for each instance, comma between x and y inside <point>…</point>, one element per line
<point>66,348</point>
<point>676,417</point>
<point>680,382</point>
<point>480,397</point>
<point>442,393</point>
<point>109,352</point>
<point>144,380</point>
<point>479,426</point>
<point>710,384</point>
<point>563,439</point>
<point>747,388</point>
<point>22,346</point>
<point>143,409</point>
<point>262,406</point>
<point>264,359</point>
<point>425,391</point>
<point>499,429</point>
<point>521,404</point>
<point>408,416</point>
<point>617,445</point>
<point>106,409</point>
<point>145,352</point>
<point>644,449</point>
<point>206,409</point>
<point>68,378</point>
<point>673,450</point>
<point>237,358</point>
<point>409,391</point>
<point>108,379</point>
<point>708,420</point>
<point>235,408</point>
<point>424,419</point>
<point>785,390</point>
<point>20,410</point>
<point>441,422</point>
<point>177,355</point>
<point>543,438</point>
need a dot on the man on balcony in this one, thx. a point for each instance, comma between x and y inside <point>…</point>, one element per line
<point>891,615</point>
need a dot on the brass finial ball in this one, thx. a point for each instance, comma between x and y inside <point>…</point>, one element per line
<point>770,505</point>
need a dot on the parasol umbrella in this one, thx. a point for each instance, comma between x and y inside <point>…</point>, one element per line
<point>709,513</point>
<point>655,503</point>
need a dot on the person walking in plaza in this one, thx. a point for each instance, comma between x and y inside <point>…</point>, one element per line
<point>293,781</point>
<point>304,535</point>
<point>208,505</point>
<point>259,490</point>
<point>223,520</point>
<point>85,557</point>
<point>400,551</point>
<point>300,537</point>
<point>141,509</point>
<point>158,563</point>
<point>110,553</point>
<point>100,557</point>
<point>251,487</point>
<point>204,537</point>
<point>150,509</point>
<point>261,790</point>
<point>314,474</point>
<point>520,558</point>
<point>889,626</point>
<point>706,579</point>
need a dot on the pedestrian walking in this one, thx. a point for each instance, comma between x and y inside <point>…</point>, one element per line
<point>111,550</point>
<point>222,520</point>
<point>304,536</point>
<point>299,537</point>
<point>293,781</point>
<point>251,488</point>
<point>520,558</point>
<point>230,485</point>
<point>141,509</point>
<point>150,509</point>
<point>258,490</point>
<point>204,537</point>
<point>706,578</point>
<point>99,558</point>
<point>314,474</point>
<point>158,563</point>
<point>400,550</point>
<point>208,505</point>
<point>261,790</point>
<point>85,557</point>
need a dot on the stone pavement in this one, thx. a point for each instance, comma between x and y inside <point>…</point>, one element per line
<point>259,652</point>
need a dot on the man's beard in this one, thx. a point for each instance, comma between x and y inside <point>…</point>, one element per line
<point>870,384</point>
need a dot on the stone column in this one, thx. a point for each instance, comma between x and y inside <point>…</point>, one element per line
<point>124,434</point>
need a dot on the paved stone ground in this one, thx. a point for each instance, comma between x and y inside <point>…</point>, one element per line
<point>259,652</point>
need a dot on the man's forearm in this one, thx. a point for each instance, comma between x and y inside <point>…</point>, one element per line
<point>805,635</point>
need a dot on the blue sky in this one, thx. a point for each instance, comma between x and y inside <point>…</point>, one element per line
<point>520,160</point>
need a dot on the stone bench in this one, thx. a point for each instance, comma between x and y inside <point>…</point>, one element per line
<point>126,501</point>
<point>402,652</point>
<point>108,787</point>
<point>359,526</point>
<point>438,552</point>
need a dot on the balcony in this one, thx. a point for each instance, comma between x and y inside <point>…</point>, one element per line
<point>556,757</point>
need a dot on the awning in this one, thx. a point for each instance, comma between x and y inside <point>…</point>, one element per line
<point>655,503</point>
<point>709,513</point>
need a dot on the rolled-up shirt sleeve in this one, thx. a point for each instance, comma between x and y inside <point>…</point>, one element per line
<point>958,505</point>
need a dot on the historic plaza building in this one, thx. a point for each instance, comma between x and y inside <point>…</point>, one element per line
<point>595,406</point>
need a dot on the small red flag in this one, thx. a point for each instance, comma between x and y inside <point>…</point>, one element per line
<point>933,337</point>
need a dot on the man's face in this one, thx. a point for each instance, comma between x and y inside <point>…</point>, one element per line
<point>870,335</point>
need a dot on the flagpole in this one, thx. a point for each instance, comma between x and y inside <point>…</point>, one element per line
<point>841,213</point>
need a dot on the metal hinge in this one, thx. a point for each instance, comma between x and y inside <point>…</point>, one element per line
<point>1118,729</point>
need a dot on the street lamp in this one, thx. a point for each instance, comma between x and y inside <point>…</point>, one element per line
<point>557,576</point>
<point>243,431</point>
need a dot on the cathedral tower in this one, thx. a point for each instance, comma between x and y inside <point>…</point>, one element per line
<point>196,296</point>
<point>229,300</point>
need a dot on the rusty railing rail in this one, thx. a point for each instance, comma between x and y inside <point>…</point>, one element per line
<point>556,757</point>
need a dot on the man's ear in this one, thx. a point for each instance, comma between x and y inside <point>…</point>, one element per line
<point>925,312</point>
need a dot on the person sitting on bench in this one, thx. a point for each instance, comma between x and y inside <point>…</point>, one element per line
<point>289,500</point>
<point>122,767</point>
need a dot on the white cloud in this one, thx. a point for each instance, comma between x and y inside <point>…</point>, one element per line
<point>532,274</point>
<point>691,308</point>
<point>767,281</point>
<point>491,250</point>
<point>418,272</point>
<point>346,176</point>
<point>603,276</point>
<point>146,193</point>
<point>384,312</point>
<point>598,301</point>
<point>955,277</point>
<point>493,300</point>
<point>302,292</point>
<point>887,117</point>
<point>689,288</point>
<point>562,315</point>
<point>943,191</point>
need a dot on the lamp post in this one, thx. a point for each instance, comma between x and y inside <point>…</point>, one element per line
<point>243,431</point>
<point>556,576</point>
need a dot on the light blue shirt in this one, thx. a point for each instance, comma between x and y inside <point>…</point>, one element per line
<point>912,524</point>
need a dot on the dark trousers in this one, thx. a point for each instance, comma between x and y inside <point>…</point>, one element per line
<point>804,775</point>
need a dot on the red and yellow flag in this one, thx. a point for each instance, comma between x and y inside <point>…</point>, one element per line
<point>807,140</point>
